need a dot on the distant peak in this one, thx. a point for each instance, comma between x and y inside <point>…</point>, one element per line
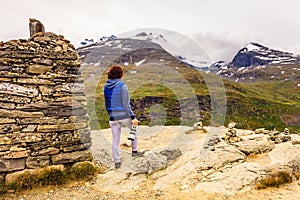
<point>89,41</point>
<point>105,38</point>
<point>252,46</point>
<point>256,44</point>
<point>150,36</point>
<point>142,34</point>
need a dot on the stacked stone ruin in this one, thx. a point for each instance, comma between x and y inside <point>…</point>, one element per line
<point>43,121</point>
<point>231,135</point>
<point>275,135</point>
<point>197,128</point>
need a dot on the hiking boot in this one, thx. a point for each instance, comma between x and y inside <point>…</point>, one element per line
<point>137,153</point>
<point>117,165</point>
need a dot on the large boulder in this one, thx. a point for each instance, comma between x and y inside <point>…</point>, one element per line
<point>295,138</point>
<point>254,144</point>
<point>239,178</point>
<point>133,170</point>
<point>286,155</point>
<point>152,161</point>
<point>224,154</point>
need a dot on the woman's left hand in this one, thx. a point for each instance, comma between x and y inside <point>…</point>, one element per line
<point>135,121</point>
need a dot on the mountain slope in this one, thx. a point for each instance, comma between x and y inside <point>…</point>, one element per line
<point>256,62</point>
<point>147,66</point>
<point>160,84</point>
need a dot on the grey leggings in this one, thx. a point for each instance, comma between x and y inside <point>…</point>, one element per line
<point>116,135</point>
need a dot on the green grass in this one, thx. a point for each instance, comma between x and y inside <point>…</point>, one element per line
<point>255,105</point>
<point>274,180</point>
<point>251,105</point>
<point>79,171</point>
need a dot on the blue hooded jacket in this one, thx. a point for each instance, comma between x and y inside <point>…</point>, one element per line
<point>117,100</point>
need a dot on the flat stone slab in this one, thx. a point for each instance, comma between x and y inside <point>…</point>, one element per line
<point>254,144</point>
<point>285,154</point>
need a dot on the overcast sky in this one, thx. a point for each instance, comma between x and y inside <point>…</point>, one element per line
<point>220,26</point>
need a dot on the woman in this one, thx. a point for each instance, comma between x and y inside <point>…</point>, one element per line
<point>117,103</point>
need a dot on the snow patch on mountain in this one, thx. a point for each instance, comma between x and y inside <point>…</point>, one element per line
<point>269,55</point>
<point>252,47</point>
<point>90,41</point>
<point>140,62</point>
<point>86,42</point>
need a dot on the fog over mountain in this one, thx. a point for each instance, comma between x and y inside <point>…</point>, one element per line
<point>223,46</point>
<point>219,46</point>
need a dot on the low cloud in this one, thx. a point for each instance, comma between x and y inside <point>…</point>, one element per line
<point>224,46</point>
<point>220,46</point>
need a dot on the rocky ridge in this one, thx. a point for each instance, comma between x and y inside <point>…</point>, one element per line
<point>229,168</point>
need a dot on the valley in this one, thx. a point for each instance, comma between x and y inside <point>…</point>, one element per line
<point>253,93</point>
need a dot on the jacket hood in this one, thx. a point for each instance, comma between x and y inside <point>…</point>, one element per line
<point>111,83</point>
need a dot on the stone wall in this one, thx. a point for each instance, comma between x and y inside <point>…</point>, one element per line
<point>43,121</point>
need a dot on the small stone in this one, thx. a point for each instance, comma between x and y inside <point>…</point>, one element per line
<point>184,187</point>
<point>212,148</point>
<point>17,154</point>
<point>20,114</point>
<point>295,139</point>
<point>49,151</point>
<point>286,131</point>
<point>15,148</point>
<point>38,161</point>
<point>38,69</point>
<point>259,130</point>
<point>200,125</point>
<point>12,165</point>
<point>71,157</point>
<point>231,125</point>
<point>29,128</point>
<point>65,47</point>
<point>21,48</point>
<point>14,89</point>
<point>57,49</point>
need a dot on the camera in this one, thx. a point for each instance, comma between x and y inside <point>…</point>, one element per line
<point>132,133</point>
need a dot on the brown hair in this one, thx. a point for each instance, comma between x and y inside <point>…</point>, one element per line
<point>115,72</point>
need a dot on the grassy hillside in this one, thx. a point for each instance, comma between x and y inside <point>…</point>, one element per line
<point>161,85</point>
<point>263,104</point>
<point>158,90</point>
